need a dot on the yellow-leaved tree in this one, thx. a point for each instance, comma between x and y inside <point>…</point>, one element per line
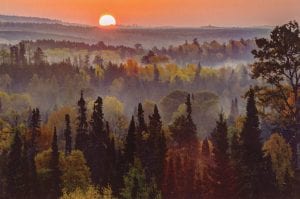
<point>280,153</point>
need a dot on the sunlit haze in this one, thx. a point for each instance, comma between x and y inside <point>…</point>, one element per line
<point>160,12</point>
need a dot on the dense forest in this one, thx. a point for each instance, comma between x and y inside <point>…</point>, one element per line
<point>193,120</point>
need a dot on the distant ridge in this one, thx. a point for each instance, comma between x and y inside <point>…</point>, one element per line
<point>17,28</point>
<point>38,20</point>
<point>23,19</point>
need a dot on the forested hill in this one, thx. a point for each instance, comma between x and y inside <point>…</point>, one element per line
<point>15,29</point>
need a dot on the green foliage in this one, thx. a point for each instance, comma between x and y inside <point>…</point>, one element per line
<point>135,185</point>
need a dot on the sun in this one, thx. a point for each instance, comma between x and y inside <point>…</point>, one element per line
<point>107,20</point>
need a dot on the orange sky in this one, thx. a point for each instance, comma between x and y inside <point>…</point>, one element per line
<point>160,12</point>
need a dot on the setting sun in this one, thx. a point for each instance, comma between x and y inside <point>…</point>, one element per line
<point>107,20</point>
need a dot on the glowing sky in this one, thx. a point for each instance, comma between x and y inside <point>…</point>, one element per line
<point>160,12</point>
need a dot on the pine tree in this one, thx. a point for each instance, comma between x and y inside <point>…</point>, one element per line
<point>81,140</point>
<point>221,172</point>
<point>15,173</point>
<point>130,144</point>
<point>55,173</point>
<point>251,152</point>
<point>68,136</point>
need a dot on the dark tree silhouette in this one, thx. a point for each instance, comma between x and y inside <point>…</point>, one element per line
<point>15,171</point>
<point>277,63</point>
<point>55,173</point>
<point>251,152</point>
<point>68,136</point>
<point>221,172</point>
<point>81,140</point>
<point>130,144</point>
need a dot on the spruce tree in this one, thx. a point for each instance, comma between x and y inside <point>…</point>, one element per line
<point>55,173</point>
<point>157,147</point>
<point>221,172</point>
<point>130,144</point>
<point>183,128</point>
<point>68,136</point>
<point>251,152</point>
<point>191,127</point>
<point>82,126</point>
<point>97,122</point>
<point>98,146</point>
<point>142,126</point>
<point>15,173</point>
<point>143,148</point>
<point>31,153</point>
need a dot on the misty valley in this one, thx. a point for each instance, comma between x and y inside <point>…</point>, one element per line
<point>148,113</point>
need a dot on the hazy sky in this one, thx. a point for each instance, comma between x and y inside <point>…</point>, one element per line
<point>160,12</point>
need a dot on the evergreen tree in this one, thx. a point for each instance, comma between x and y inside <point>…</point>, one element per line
<point>251,153</point>
<point>68,136</point>
<point>81,140</point>
<point>142,126</point>
<point>97,122</point>
<point>97,158</point>
<point>157,147</point>
<point>15,173</point>
<point>55,173</point>
<point>141,144</point>
<point>221,172</point>
<point>184,129</point>
<point>135,184</point>
<point>130,144</point>
<point>191,127</point>
<point>31,153</point>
